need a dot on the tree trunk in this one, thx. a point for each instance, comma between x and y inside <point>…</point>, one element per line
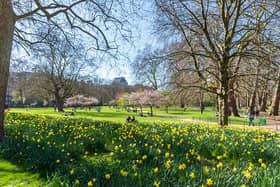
<point>264,101</point>
<point>151,110</point>
<point>223,108</point>
<point>7,24</point>
<point>232,102</point>
<point>217,104</point>
<point>238,102</point>
<point>223,97</point>
<point>21,96</point>
<point>247,100</point>
<point>274,109</point>
<point>253,102</point>
<point>59,103</point>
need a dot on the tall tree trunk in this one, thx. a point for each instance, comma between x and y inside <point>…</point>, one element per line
<point>238,103</point>
<point>217,103</point>
<point>264,101</point>
<point>21,96</point>
<point>7,24</point>
<point>274,109</point>
<point>253,102</point>
<point>247,99</point>
<point>223,97</point>
<point>151,110</point>
<point>59,103</point>
<point>182,103</point>
<point>232,101</point>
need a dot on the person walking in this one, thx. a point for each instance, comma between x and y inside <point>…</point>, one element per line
<point>201,108</point>
<point>251,118</point>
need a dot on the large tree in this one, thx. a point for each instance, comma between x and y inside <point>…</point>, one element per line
<point>150,68</point>
<point>60,66</point>
<point>214,37</point>
<point>87,18</point>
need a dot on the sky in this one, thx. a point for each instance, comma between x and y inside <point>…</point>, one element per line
<point>142,31</point>
<point>141,27</point>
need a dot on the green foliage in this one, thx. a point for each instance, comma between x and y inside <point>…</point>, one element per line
<point>123,100</point>
<point>81,152</point>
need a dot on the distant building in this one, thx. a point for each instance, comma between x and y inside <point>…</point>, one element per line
<point>120,81</point>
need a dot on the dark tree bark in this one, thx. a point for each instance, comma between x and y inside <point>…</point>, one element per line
<point>217,103</point>
<point>263,104</point>
<point>59,102</point>
<point>247,99</point>
<point>232,101</point>
<point>7,24</point>
<point>274,109</point>
<point>224,92</point>
<point>253,102</point>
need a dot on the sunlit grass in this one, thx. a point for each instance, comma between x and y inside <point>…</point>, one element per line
<point>208,115</point>
<point>106,113</point>
<point>11,175</point>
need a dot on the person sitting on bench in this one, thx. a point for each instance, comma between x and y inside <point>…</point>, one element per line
<point>128,119</point>
<point>133,119</point>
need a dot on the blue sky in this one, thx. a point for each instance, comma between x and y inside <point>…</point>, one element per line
<point>142,31</point>
<point>141,28</point>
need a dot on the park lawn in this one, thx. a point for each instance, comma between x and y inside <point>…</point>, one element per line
<point>195,114</point>
<point>12,175</point>
<point>106,113</point>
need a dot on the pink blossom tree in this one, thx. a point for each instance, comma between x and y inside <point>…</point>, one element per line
<point>147,98</point>
<point>135,99</point>
<point>80,100</point>
<point>90,101</point>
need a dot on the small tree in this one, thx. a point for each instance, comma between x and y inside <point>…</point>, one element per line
<point>90,101</point>
<point>80,100</point>
<point>123,100</point>
<point>147,98</point>
<point>135,99</point>
<point>165,100</point>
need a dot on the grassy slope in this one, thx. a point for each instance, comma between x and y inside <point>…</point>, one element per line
<point>11,175</point>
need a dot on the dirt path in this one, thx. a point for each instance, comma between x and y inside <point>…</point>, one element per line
<point>270,124</point>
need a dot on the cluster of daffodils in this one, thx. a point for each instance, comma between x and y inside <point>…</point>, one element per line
<point>89,153</point>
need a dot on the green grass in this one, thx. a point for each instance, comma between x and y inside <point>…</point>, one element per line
<point>195,114</point>
<point>106,113</point>
<point>11,175</point>
<point>111,114</point>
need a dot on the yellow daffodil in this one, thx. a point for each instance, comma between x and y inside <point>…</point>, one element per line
<point>209,182</point>
<point>192,175</point>
<point>156,183</point>
<point>156,170</point>
<point>107,176</point>
<point>168,164</point>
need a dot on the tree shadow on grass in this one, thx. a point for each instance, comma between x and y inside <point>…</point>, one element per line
<point>12,175</point>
